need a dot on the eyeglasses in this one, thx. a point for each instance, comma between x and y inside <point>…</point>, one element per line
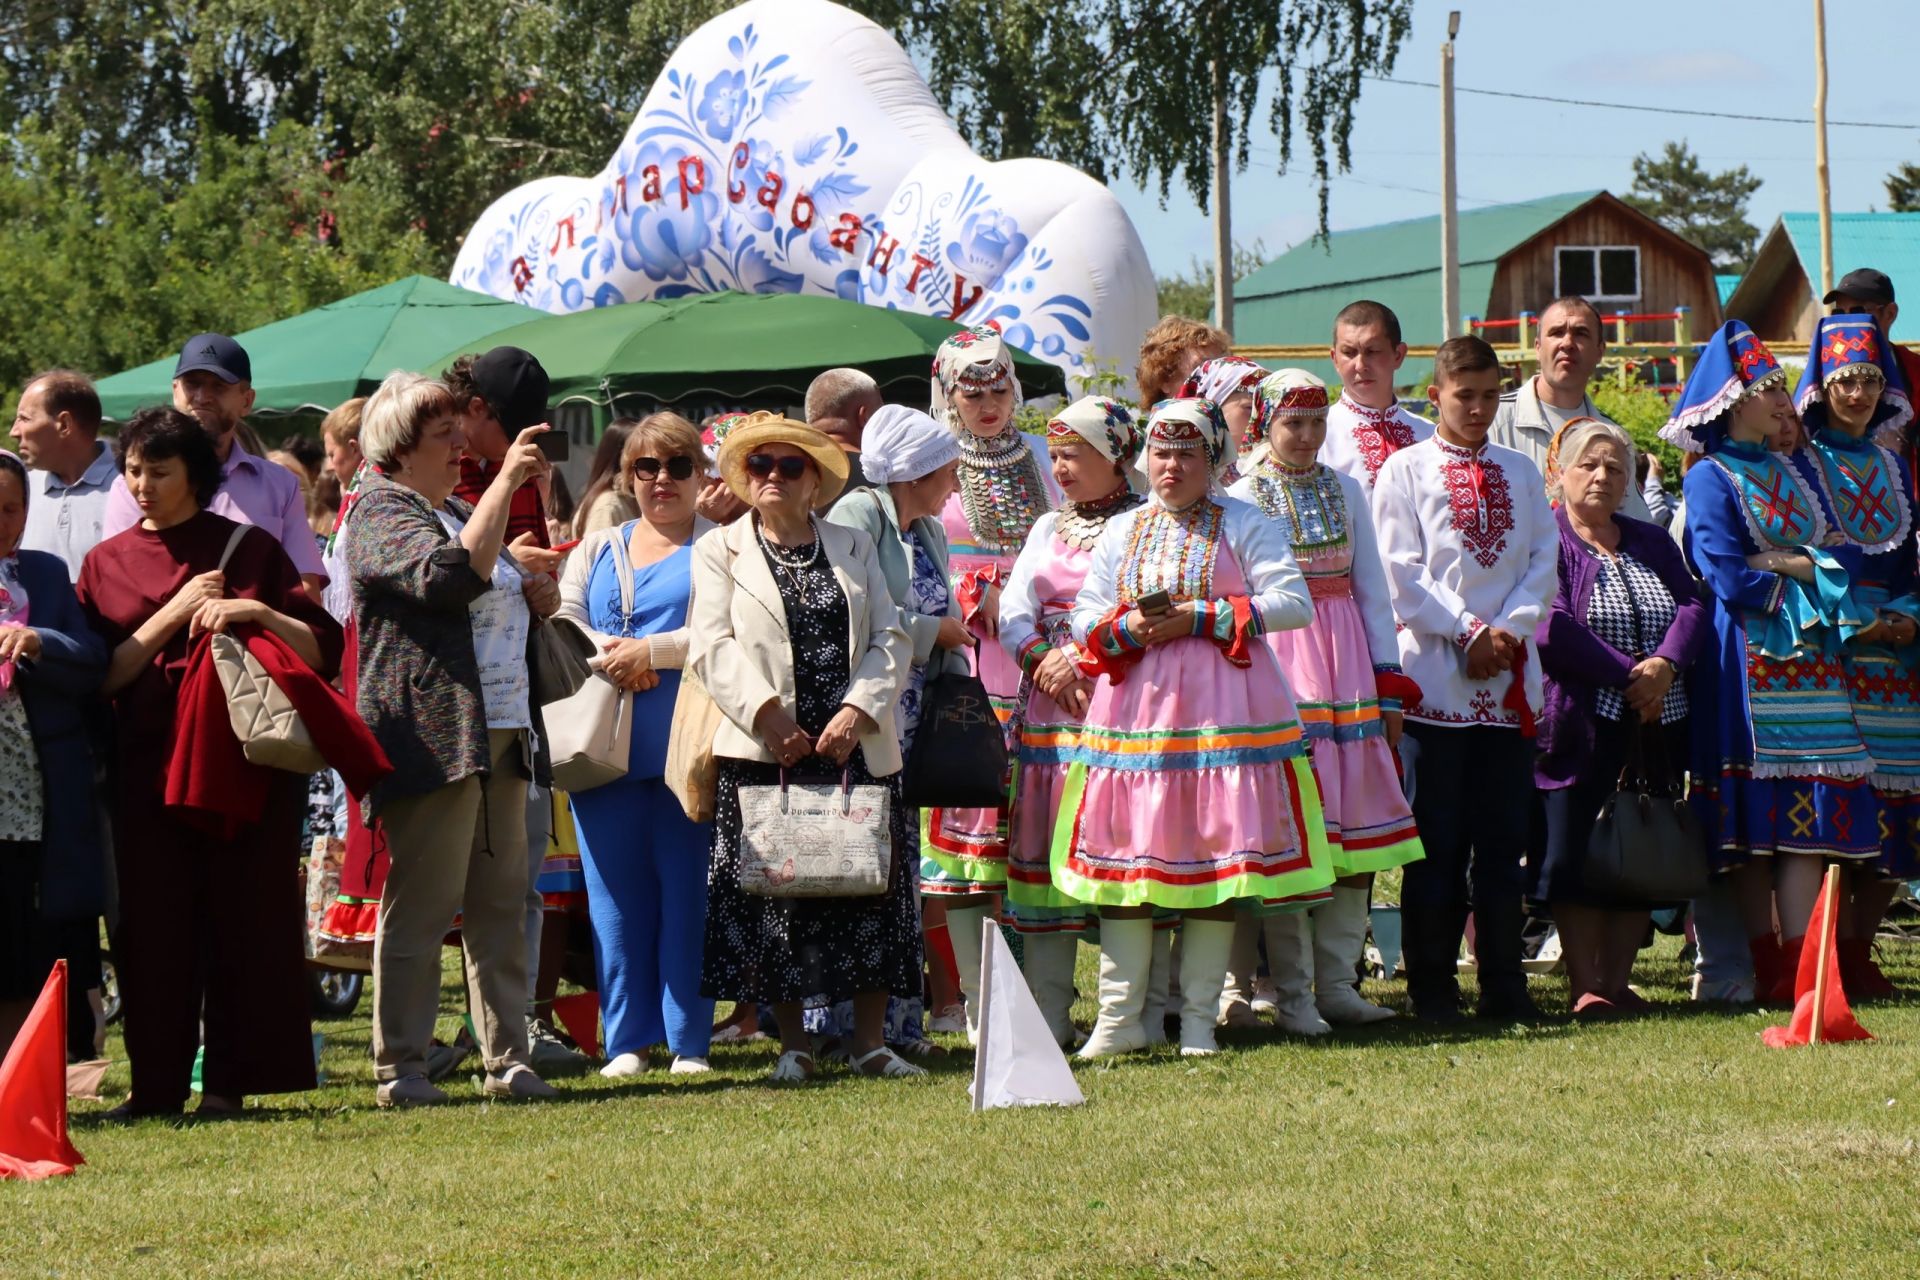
<point>762,465</point>
<point>678,467</point>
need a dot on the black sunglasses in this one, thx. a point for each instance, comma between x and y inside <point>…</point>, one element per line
<point>679,467</point>
<point>762,465</point>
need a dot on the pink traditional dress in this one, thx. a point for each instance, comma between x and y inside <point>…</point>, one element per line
<point>1344,669</point>
<point>1004,490</point>
<point>1035,619</point>
<point>1190,786</point>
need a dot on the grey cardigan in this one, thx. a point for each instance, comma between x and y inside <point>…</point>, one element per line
<point>417,679</point>
<point>871,511</point>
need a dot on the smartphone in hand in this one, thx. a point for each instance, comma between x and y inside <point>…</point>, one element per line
<point>555,444</point>
<point>1155,603</point>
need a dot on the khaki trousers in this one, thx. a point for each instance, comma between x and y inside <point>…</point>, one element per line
<point>459,850</point>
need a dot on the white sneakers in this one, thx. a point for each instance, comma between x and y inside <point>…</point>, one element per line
<point>623,1065</point>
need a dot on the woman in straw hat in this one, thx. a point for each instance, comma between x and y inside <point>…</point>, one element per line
<point>796,638</point>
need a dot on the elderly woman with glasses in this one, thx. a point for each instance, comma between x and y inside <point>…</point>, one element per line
<point>643,858</point>
<point>797,640</point>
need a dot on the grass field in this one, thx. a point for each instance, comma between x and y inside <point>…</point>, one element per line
<point>1676,1145</point>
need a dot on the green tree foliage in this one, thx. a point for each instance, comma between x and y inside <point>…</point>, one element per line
<point>1157,89</point>
<point>1903,188</point>
<point>1709,209</point>
<point>173,165</point>
<point>1190,294</point>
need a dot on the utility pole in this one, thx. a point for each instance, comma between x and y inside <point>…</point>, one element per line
<point>1449,195</point>
<point>1222,206</point>
<point>1820,145</point>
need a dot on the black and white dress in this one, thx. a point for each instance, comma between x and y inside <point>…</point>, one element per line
<point>779,949</point>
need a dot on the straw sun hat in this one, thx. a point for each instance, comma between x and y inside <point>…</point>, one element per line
<point>762,429</point>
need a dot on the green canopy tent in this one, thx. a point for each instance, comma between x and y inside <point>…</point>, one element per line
<point>737,347</point>
<point>333,353</point>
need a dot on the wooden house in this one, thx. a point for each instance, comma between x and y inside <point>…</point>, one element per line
<point>1779,298</point>
<point>1514,258</point>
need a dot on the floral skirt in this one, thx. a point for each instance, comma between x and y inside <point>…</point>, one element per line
<point>819,950</point>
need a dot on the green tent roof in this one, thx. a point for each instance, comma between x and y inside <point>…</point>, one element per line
<point>1888,242</point>
<point>738,346</point>
<point>1293,298</point>
<point>328,355</point>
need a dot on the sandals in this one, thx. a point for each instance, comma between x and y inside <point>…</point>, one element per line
<point>795,1067</point>
<point>891,1064</point>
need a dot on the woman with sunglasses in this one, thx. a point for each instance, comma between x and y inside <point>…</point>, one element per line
<point>644,859</point>
<point>797,640</point>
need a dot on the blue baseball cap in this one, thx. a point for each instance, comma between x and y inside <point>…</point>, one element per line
<point>217,354</point>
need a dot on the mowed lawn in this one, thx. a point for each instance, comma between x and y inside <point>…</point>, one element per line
<point>1676,1145</point>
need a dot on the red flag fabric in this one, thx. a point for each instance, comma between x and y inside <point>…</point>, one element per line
<point>33,1090</point>
<point>1836,1017</point>
<point>580,1015</point>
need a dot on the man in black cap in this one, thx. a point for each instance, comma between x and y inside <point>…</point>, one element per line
<point>503,392</point>
<point>1866,292</point>
<point>213,384</point>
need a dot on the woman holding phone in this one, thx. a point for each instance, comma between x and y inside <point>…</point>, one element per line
<point>1190,786</point>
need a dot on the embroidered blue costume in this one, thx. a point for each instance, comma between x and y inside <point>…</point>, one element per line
<point>1778,764</point>
<point>1871,494</point>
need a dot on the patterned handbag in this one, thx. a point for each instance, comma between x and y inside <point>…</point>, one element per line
<point>815,839</point>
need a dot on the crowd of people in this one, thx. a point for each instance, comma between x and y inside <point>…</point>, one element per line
<point>1248,646</point>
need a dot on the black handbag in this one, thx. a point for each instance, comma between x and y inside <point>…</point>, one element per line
<point>558,657</point>
<point>1646,844</point>
<point>959,758</point>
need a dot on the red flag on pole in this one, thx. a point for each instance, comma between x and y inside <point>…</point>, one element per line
<point>1820,1011</point>
<point>33,1090</point>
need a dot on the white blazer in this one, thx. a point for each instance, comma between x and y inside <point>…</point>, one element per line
<point>743,653</point>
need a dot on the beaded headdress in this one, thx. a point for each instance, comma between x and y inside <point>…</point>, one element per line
<point>1190,423</point>
<point>1285,393</point>
<point>976,359</point>
<point>1852,346</point>
<point>1733,366</point>
<point>1106,426</point>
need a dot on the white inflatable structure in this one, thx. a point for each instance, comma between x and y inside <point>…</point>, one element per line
<point>791,146</point>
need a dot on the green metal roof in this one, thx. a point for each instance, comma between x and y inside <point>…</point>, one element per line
<point>1888,242</point>
<point>1396,263</point>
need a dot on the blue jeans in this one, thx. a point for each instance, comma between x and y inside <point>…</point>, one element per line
<point>646,869</point>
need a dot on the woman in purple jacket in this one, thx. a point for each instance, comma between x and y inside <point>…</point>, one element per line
<point>1625,625</point>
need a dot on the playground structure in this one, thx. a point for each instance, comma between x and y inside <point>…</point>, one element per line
<point>1659,366</point>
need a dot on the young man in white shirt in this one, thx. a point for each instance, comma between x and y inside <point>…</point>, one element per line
<point>1472,553</point>
<point>1368,424</point>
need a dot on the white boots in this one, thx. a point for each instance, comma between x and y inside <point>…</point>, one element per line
<point>1153,1013</point>
<point>963,931</point>
<point>1243,962</point>
<point>1126,959</point>
<point>1048,961</point>
<point>1204,949</point>
<point>1290,960</point>
<point>1339,938</point>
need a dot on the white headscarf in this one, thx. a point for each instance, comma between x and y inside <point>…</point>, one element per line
<point>901,444</point>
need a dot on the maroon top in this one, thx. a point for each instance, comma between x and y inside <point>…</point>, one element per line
<point>129,576</point>
<point>524,512</point>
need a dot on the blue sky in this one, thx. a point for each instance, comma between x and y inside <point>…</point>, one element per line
<point>1687,54</point>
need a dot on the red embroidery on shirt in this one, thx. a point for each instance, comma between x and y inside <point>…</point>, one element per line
<point>1378,436</point>
<point>1482,504</point>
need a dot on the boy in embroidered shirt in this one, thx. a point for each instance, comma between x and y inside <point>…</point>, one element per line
<point>1368,424</point>
<point>1471,552</point>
